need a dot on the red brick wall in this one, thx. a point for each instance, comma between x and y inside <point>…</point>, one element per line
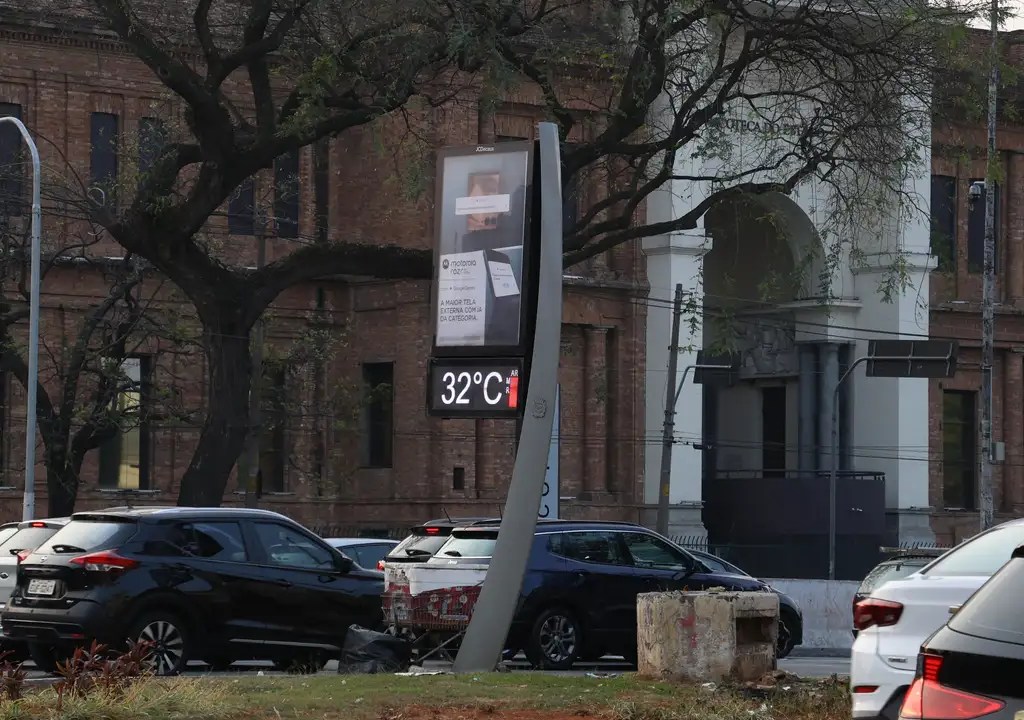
<point>955,314</point>
<point>58,84</point>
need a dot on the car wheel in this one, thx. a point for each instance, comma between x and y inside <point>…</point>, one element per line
<point>169,642</point>
<point>785,643</point>
<point>46,657</point>
<point>555,640</point>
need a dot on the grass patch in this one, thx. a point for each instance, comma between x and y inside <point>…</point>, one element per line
<point>179,699</point>
<point>525,696</point>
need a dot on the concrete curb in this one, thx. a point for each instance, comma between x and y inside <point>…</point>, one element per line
<point>802,652</point>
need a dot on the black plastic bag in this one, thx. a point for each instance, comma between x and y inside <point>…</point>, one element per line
<point>368,651</point>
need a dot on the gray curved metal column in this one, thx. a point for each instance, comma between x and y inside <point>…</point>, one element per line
<point>485,638</point>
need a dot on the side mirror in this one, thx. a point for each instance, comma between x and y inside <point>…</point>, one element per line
<point>343,564</point>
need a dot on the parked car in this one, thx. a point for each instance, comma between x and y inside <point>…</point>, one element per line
<point>366,552</point>
<point>902,564</point>
<point>578,598</point>
<point>899,616</point>
<point>791,618</point>
<point>426,539</point>
<point>972,666</point>
<point>23,538</point>
<point>8,529</point>
<point>211,584</point>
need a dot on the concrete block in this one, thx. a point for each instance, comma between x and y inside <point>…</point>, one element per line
<point>707,636</point>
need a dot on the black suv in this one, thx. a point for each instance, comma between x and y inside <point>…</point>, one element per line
<point>210,584</point>
<point>578,599</point>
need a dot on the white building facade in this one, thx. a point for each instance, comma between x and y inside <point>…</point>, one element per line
<point>767,277</point>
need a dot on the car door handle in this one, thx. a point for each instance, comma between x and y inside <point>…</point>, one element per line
<point>283,583</point>
<point>4,576</point>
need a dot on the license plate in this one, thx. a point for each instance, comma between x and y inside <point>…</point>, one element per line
<point>42,587</point>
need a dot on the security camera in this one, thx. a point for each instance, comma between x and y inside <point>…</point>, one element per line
<point>976,189</point>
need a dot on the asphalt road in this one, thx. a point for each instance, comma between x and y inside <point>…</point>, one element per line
<point>809,667</point>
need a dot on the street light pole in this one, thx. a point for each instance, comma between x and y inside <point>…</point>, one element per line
<point>985,501</point>
<point>29,501</point>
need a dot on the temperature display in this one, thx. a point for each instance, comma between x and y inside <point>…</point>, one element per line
<point>475,388</point>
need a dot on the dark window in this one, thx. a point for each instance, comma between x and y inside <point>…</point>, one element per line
<point>152,140</point>
<point>273,450</point>
<point>103,533</point>
<point>242,209</point>
<point>943,225</point>
<point>12,171</point>
<point>103,159</point>
<point>291,548</point>
<point>124,459</point>
<point>321,187</point>
<point>378,381</point>
<point>976,230</point>
<point>773,431</point>
<point>994,611</point>
<point>982,555</point>
<point>212,540</point>
<point>591,547</point>
<point>959,445</point>
<point>570,198</point>
<point>648,551</point>
<point>459,478</point>
<point>286,195</point>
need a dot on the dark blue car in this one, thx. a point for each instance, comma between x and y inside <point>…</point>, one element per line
<point>578,600</point>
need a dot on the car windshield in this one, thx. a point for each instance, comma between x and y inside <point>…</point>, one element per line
<point>26,539</point>
<point>890,570</point>
<point>418,546</point>
<point>983,554</point>
<point>88,534</point>
<point>476,545</point>
<point>994,611</point>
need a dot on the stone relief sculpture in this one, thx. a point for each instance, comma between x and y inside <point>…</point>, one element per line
<point>766,349</point>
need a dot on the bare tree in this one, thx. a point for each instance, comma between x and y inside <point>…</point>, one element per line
<point>261,79</point>
<point>82,375</point>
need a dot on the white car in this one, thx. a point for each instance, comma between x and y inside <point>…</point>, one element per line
<point>896,619</point>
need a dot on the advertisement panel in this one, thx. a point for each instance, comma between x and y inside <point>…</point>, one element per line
<point>482,211</point>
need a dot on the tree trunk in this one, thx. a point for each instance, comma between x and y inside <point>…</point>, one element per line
<point>61,476</point>
<point>227,416</point>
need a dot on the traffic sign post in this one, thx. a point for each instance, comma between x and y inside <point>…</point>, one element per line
<point>499,258</point>
<point>889,359</point>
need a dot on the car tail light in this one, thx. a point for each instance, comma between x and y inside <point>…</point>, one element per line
<point>928,699</point>
<point>38,525</point>
<point>871,612</point>
<point>23,555</point>
<point>433,531</point>
<point>107,561</point>
<point>380,564</point>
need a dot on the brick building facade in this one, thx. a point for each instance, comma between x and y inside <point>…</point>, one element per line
<point>347,441</point>
<point>958,160</point>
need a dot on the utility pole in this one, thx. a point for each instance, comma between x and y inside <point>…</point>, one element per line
<point>670,412</point>
<point>249,464</point>
<point>986,512</point>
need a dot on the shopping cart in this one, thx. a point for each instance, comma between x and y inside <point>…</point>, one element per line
<point>431,605</point>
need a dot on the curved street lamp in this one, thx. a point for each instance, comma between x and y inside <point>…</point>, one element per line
<point>29,501</point>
